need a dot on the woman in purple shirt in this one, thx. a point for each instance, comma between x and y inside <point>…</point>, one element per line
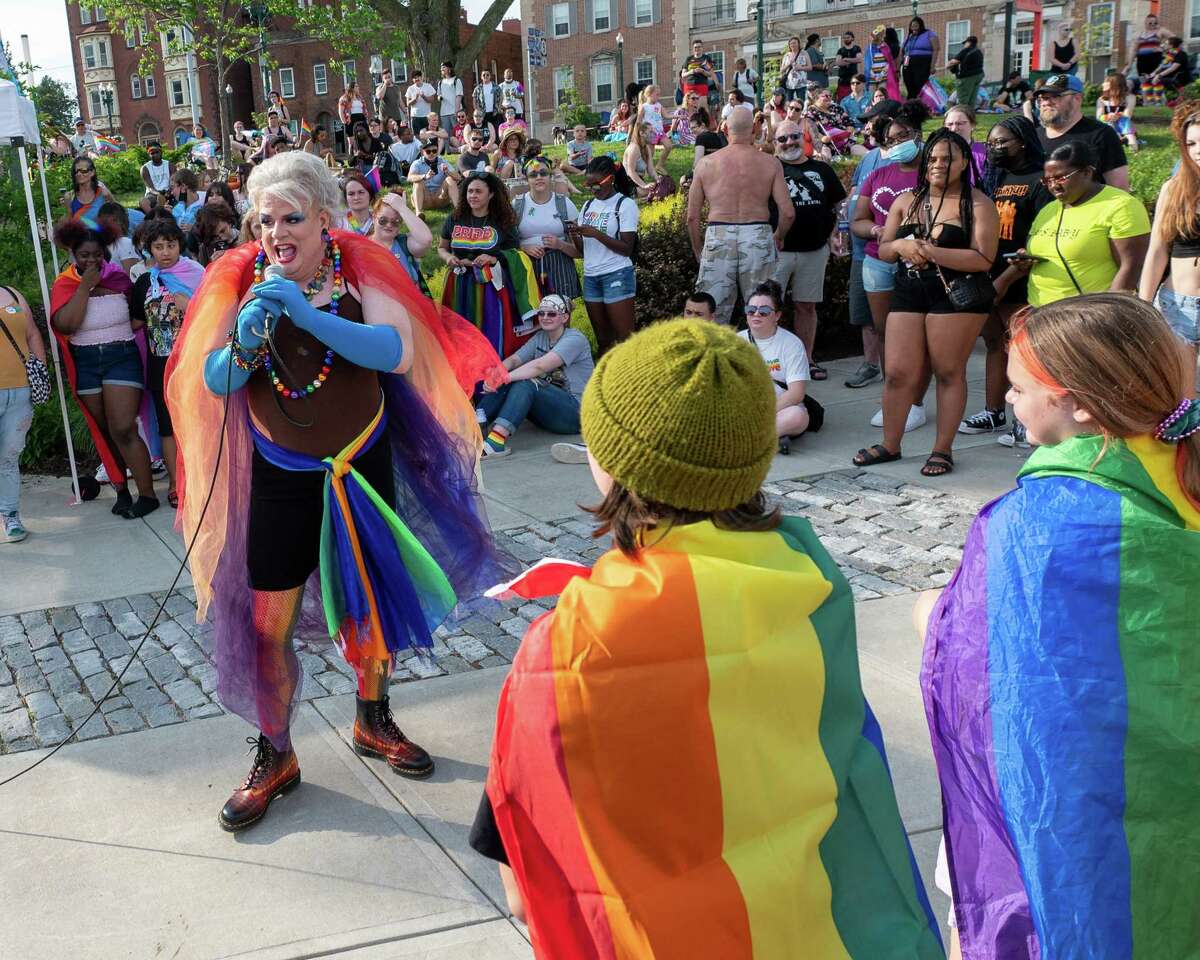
<point>921,48</point>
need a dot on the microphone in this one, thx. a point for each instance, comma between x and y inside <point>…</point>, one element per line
<point>273,271</point>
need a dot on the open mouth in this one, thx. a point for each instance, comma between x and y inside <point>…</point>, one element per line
<point>285,253</point>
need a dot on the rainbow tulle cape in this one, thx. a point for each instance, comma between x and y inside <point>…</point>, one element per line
<point>685,766</point>
<point>431,430</point>
<point>1062,686</point>
<point>498,312</point>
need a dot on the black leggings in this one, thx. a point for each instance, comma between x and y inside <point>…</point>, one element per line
<point>155,369</point>
<point>916,74</point>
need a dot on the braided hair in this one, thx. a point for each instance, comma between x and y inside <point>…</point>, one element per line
<point>969,179</point>
<point>1031,149</point>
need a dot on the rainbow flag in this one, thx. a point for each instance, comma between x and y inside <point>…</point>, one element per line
<point>1062,686</point>
<point>305,128</point>
<point>685,765</point>
<point>108,144</point>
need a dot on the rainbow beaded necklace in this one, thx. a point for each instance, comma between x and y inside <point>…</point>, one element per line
<point>333,259</point>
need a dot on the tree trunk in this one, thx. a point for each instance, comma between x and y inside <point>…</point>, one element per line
<point>223,103</point>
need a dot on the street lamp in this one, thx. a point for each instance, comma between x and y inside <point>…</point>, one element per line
<point>621,64</point>
<point>756,11</point>
<point>106,95</point>
<point>260,16</point>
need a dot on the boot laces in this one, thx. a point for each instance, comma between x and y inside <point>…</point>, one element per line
<point>262,761</point>
<point>385,722</point>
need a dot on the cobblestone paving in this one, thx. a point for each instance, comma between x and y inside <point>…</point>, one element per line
<point>889,536</point>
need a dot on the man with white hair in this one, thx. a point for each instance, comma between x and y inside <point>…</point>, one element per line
<point>349,448</point>
<point>739,248</point>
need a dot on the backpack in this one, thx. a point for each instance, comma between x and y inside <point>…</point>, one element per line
<point>560,207</point>
<point>637,240</point>
<point>391,170</point>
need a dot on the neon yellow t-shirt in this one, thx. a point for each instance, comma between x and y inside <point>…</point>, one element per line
<point>1083,238</point>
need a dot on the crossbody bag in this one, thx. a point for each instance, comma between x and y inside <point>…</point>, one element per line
<point>35,370</point>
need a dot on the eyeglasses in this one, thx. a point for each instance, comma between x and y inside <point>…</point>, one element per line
<point>1059,180</point>
<point>789,137</point>
<point>549,313</point>
<point>795,106</point>
<point>539,173</point>
<point>389,222</point>
<point>759,311</point>
<point>896,141</point>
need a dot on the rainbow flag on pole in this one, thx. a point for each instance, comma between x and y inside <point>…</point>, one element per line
<point>685,765</point>
<point>305,128</point>
<point>108,144</point>
<point>1062,687</point>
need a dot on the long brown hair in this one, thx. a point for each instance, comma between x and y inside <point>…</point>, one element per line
<point>1115,89</point>
<point>628,517</point>
<point>1115,356</point>
<point>1175,215</point>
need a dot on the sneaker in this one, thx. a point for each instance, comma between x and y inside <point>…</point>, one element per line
<point>158,468</point>
<point>1015,437</point>
<point>480,417</point>
<point>14,530</point>
<point>864,376</point>
<point>494,453</point>
<point>985,421</point>
<point>101,474</point>
<point>916,418</point>
<point>569,452</point>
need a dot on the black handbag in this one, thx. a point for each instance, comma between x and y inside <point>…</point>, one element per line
<point>969,292</point>
<point>35,370</point>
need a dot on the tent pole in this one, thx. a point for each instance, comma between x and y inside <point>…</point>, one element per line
<point>19,143</point>
<point>46,201</point>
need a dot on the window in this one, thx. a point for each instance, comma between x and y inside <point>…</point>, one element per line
<point>564,83</point>
<point>85,15</point>
<point>829,49</point>
<point>95,53</point>
<point>376,67</point>
<point>601,15</point>
<point>135,34</point>
<point>602,81</point>
<point>560,17</point>
<point>95,104</point>
<point>147,132</point>
<point>148,85</point>
<point>643,13</point>
<point>287,82</point>
<point>644,71</point>
<point>718,59</point>
<point>957,32</point>
<point>399,70</point>
<point>348,71</point>
<point>320,79</point>
<point>1100,27</point>
<point>100,17</point>
<point>179,97</point>
<point>135,87</point>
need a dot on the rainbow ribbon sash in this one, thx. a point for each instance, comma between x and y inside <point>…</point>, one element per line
<point>685,765</point>
<point>1062,686</point>
<point>380,587</point>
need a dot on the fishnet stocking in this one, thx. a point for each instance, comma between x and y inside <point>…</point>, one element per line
<point>274,614</point>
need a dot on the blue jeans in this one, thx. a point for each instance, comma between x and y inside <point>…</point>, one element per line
<point>551,408</point>
<point>16,414</point>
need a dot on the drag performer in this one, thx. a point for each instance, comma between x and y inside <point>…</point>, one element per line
<point>1061,662</point>
<point>349,448</point>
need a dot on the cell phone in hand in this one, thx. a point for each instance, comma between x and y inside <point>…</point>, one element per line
<point>1022,258</point>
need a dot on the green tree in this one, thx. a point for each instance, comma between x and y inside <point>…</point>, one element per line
<point>431,30</point>
<point>55,106</point>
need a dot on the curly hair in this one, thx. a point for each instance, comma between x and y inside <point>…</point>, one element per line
<point>500,210</point>
<point>73,234</point>
<point>158,228</point>
<point>970,178</point>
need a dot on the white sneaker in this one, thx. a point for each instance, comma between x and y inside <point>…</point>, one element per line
<point>916,418</point>
<point>480,416</point>
<point>569,452</point>
<point>102,474</point>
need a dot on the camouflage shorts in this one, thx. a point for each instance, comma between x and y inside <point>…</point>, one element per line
<point>735,255</point>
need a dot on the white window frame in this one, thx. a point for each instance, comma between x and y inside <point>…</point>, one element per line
<point>718,61</point>
<point>99,14</point>
<point>1111,27</point>
<point>178,92</point>
<point>135,35</point>
<point>375,67</point>
<point>638,11</point>
<point>320,79</point>
<point>829,49</point>
<point>596,17</point>
<point>89,63</point>
<point>399,70</point>
<point>611,66</point>
<point>135,86</point>
<point>287,77</point>
<point>953,46</point>
<point>85,15</point>
<point>349,74</point>
<point>565,23</point>
<point>95,104</point>
<point>148,86</point>
<point>564,82</point>
<point>637,76</point>
<point>101,54</point>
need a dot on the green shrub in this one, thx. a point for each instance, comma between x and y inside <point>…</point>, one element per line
<point>666,267</point>
<point>1091,93</point>
<point>574,110</point>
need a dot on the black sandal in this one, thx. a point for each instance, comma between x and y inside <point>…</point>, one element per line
<point>870,456</point>
<point>938,465</point>
<point>817,372</point>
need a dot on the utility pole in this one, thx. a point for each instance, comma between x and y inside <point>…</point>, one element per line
<point>1009,7</point>
<point>756,11</point>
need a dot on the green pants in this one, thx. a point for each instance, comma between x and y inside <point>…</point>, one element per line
<point>967,90</point>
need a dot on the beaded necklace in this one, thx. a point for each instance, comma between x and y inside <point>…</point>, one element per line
<point>333,259</point>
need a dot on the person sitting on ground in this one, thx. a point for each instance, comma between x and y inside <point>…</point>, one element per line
<point>619,123</point>
<point>512,122</point>
<point>480,123</point>
<point>434,132</point>
<point>216,231</point>
<point>363,148</point>
<point>1175,69</point>
<point>857,101</point>
<point>1013,94</point>
<point>680,131</point>
<point>735,101</point>
<point>393,215</point>
<point>1115,107</point>
<point>435,185</point>
<point>406,148</point>
<point>638,161</point>
<point>358,192</point>
<point>156,172</point>
<point>579,152</point>
<point>786,359</point>
<point>546,380</point>
<point>700,306</point>
<point>710,611</point>
<point>474,156</point>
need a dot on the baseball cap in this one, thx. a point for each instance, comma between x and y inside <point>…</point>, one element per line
<point>884,108</point>
<point>1059,83</point>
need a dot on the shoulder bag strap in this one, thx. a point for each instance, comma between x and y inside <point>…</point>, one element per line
<point>1061,213</point>
<point>7,333</point>
<point>560,207</point>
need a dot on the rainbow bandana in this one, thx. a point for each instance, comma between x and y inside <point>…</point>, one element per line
<point>379,585</point>
<point>1060,682</point>
<point>685,765</point>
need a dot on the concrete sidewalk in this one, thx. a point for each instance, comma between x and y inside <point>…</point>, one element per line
<point>112,849</point>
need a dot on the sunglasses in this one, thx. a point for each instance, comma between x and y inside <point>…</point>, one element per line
<point>759,311</point>
<point>540,173</point>
<point>477,139</point>
<point>789,137</point>
<point>388,221</point>
<point>549,313</point>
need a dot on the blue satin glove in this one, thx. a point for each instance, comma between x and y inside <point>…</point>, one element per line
<point>288,295</point>
<point>221,375</point>
<point>255,315</point>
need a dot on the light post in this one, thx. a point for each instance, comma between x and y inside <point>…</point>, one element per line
<point>621,64</point>
<point>756,11</point>
<point>106,95</point>
<point>260,15</point>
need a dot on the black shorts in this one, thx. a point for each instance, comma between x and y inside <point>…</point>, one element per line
<point>926,293</point>
<point>286,508</point>
<point>156,367</point>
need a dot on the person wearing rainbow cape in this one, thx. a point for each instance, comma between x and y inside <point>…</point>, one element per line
<point>328,409</point>
<point>1061,662</point>
<point>684,764</point>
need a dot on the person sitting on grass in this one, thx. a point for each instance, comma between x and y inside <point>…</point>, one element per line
<point>579,153</point>
<point>546,380</point>
<point>787,362</point>
<point>700,305</point>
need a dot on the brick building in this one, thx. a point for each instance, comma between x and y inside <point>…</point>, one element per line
<point>583,50</point>
<point>157,104</point>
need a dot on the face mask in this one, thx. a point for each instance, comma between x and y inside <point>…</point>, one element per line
<point>999,157</point>
<point>905,152</point>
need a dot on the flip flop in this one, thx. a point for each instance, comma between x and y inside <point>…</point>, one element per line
<point>870,456</point>
<point>817,372</point>
<point>173,498</point>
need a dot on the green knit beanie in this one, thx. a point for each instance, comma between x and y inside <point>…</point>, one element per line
<point>683,413</point>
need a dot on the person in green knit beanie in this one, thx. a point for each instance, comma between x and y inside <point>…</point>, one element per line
<point>675,740</point>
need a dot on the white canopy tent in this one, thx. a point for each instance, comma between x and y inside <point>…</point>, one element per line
<point>18,128</point>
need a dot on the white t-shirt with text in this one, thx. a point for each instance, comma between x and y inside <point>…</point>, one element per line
<point>616,215</point>
<point>784,355</point>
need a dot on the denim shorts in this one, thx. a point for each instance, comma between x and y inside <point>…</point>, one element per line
<point>878,276</point>
<point>1181,312</point>
<point>610,287</point>
<point>118,364</point>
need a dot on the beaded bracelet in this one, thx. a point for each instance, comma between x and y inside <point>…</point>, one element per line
<point>243,359</point>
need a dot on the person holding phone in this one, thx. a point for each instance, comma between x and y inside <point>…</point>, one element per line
<point>1013,179</point>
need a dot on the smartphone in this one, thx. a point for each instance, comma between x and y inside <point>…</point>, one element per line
<point>1022,257</point>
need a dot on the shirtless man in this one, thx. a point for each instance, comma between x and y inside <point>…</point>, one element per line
<point>738,248</point>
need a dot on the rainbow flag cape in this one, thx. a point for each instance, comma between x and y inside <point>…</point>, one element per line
<point>503,311</point>
<point>685,765</point>
<point>1062,686</point>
